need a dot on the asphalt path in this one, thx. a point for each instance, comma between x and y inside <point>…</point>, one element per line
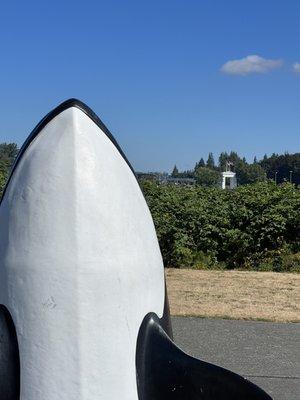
<point>266,353</point>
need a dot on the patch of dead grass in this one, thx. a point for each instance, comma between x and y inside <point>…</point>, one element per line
<point>265,296</point>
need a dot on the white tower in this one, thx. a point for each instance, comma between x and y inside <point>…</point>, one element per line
<point>229,177</point>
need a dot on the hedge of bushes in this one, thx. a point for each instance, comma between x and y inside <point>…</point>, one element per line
<point>252,227</point>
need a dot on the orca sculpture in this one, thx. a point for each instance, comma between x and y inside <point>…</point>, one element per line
<point>84,311</point>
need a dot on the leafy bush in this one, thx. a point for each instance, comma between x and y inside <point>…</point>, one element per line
<point>207,176</point>
<point>253,227</point>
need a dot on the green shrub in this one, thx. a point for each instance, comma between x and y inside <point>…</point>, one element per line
<point>252,227</point>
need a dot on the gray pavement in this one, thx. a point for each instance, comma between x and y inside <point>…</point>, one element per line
<point>266,353</point>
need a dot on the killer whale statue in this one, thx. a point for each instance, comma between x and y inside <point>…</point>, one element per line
<point>83,303</point>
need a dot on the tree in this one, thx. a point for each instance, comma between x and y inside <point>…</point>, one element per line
<point>201,162</point>
<point>3,175</point>
<point>210,163</point>
<point>175,172</point>
<point>254,173</point>
<point>8,153</point>
<point>286,166</point>
<point>223,158</point>
<point>207,177</point>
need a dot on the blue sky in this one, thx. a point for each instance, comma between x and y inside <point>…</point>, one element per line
<point>152,70</point>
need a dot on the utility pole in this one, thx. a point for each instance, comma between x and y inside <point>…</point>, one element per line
<point>291,176</point>
<point>276,177</point>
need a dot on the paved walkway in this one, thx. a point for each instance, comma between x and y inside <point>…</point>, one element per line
<point>266,353</point>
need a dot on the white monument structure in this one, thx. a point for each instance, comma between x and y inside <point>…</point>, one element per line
<point>229,176</point>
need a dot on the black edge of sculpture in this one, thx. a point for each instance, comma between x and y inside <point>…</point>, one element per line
<point>9,358</point>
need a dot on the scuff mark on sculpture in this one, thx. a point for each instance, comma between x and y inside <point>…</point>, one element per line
<point>50,303</point>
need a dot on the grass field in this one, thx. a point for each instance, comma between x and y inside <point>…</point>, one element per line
<point>267,296</point>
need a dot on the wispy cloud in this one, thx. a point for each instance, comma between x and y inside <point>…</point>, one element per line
<point>250,65</point>
<point>296,67</point>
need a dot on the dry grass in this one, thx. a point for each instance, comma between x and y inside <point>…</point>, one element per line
<point>266,296</point>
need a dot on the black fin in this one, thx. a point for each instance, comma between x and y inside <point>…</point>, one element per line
<point>9,358</point>
<point>164,372</point>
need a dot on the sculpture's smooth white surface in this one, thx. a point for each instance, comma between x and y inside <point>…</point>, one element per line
<point>80,264</point>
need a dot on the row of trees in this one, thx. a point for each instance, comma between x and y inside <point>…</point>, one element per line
<point>280,168</point>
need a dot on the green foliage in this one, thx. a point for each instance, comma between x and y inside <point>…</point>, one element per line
<point>223,158</point>
<point>199,164</point>
<point>287,166</point>
<point>8,153</point>
<point>3,175</point>
<point>253,227</point>
<point>207,177</point>
<point>251,173</point>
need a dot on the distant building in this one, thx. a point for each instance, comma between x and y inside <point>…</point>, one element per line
<point>229,177</point>
<point>180,181</point>
<point>148,176</point>
<point>164,178</point>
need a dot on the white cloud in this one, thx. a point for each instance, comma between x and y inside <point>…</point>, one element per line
<point>296,67</point>
<point>250,65</point>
